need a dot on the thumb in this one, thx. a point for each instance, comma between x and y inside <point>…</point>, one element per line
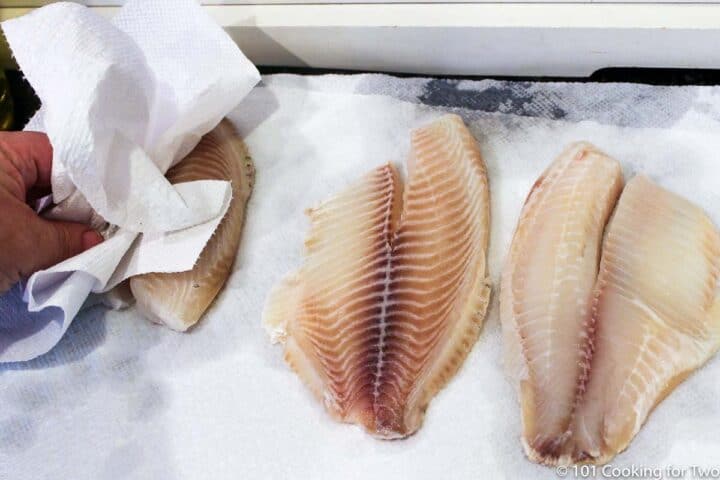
<point>54,242</point>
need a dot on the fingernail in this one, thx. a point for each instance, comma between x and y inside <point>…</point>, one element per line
<point>90,238</point>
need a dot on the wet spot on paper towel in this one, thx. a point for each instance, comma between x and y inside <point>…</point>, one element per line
<point>147,402</point>
<point>16,434</point>
<point>503,97</point>
<point>621,104</point>
<point>124,370</point>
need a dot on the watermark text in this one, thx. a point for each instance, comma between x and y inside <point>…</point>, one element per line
<point>640,472</point>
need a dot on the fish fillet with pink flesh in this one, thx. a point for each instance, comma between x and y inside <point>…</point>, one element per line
<point>394,287</point>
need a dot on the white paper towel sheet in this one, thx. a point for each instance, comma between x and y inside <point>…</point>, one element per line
<point>120,398</point>
<point>122,101</point>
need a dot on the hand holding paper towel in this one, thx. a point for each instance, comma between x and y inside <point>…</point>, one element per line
<point>30,243</point>
<point>123,100</point>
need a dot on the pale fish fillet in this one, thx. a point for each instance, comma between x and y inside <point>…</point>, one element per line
<point>179,300</point>
<point>656,314</point>
<point>593,356</point>
<point>393,290</point>
<point>546,290</point>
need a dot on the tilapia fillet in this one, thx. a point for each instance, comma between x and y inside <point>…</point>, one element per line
<point>596,337</point>
<point>179,300</point>
<point>546,290</point>
<point>394,287</point>
<point>655,316</point>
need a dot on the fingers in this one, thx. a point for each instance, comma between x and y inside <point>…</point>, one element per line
<point>54,242</point>
<point>29,243</point>
<point>30,153</point>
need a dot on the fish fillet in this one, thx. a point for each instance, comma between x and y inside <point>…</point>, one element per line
<point>394,287</point>
<point>594,345</point>
<point>547,286</point>
<point>178,300</point>
<point>655,318</point>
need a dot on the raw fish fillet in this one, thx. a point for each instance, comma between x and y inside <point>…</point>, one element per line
<point>655,317</point>
<point>178,300</point>
<point>593,356</point>
<point>393,290</point>
<point>547,288</point>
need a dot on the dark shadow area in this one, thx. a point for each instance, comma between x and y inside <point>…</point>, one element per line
<point>652,76</point>
<point>26,102</point>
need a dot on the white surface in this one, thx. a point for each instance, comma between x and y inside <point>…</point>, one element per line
<point>122,101</point>
<point>526,39</point>
<point>480,39</point>
<point>121,398</point>
<point>696,15</point>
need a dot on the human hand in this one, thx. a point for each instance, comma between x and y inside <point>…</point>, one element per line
<point>29,243</point>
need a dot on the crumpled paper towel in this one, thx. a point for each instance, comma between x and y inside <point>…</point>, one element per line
<point>119,398</point>
<point>122,101</point>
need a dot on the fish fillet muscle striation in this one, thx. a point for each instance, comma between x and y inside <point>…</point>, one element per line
<point>597,330</point>
<point>394,287</point>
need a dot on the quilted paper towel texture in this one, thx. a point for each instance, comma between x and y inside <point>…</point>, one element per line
<point>122,399</point>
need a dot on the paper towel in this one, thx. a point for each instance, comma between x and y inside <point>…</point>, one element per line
<point>123,399</point>
<point>122,101</point>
